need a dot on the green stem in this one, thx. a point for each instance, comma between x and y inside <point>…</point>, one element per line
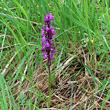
<point>49,87</point>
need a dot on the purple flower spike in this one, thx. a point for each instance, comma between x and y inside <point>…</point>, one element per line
<point>47,36</point>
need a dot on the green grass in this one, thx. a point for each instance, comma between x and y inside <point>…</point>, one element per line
<point>82,67</point>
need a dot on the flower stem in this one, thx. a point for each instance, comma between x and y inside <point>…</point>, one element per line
<point>49,87</point>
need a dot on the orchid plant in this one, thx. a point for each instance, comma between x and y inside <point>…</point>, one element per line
<point>48,50</point>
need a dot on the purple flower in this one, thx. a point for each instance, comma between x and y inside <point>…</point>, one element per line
<point>48,18</point>
<point>47,36</point>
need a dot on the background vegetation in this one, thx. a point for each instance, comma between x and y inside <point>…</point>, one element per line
<point>81,70</point>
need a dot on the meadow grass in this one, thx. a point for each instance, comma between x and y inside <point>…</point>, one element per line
<point>81,70</point>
